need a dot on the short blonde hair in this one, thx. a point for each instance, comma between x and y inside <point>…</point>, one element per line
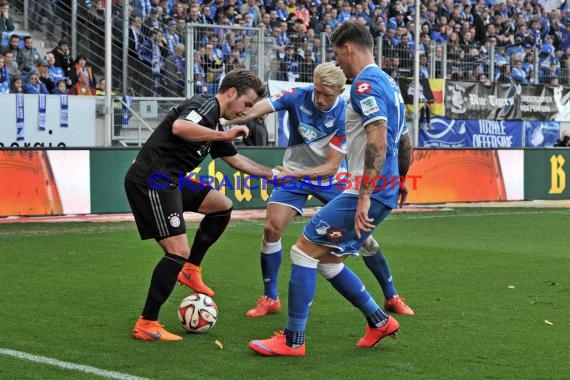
<point>330,75</point>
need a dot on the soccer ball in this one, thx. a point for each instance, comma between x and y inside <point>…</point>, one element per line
<point>198,313</point>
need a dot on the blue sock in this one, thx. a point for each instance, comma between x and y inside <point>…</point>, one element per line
<point>351,287</point>
<point>301,293</point>
<point>270,264</point>
<point>379,267</point>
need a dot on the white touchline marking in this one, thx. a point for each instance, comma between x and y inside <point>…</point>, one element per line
<point>447,214</point>
<point>69,365</point>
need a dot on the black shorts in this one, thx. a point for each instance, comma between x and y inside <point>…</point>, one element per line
<point>160,213</point>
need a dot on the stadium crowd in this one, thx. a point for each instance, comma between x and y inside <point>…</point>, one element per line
<point>530,46</point>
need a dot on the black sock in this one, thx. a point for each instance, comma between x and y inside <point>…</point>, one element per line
<point>211,228</point>
<point>161,284</point>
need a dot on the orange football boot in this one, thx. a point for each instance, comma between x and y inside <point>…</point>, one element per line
<point>152,330</point>
<point>397,305</point>
<point>264,306</point>
<point>373,335</point>
<point>276,346</point>
<point>191,276</point>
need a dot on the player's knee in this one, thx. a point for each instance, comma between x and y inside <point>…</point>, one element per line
<point>301,259</point>
<point>369,248</point>
<point>227,203</point>
<point>329,271</point>
<point>272,231</point>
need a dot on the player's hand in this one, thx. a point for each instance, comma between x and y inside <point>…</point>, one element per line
<point>362,222</point>
<point>403,195</point>
<point>237,130</point>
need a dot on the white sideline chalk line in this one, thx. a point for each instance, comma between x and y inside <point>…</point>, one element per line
<point>399,217</point>
<point>69,365</point>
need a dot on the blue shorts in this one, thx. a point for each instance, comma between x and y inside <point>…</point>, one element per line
<point>333,225</point>
<point>294,194</point>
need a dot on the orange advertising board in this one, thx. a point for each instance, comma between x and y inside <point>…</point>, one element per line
<point>456,176</point>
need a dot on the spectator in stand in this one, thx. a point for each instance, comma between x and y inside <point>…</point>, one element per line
<point>63,57</point>
<point>200,86</point>
<point>4,77</point>
<point>55,72</point>
<point>171,37</point>
<point>291,64</point>
<point>10,65</point>
<point>80,65</point>
<point>179,11</point>
<point>307,67</point>
<point>137,69</point>
<point>141,8</point>
<point>193,15</point>
<point>29,56</point>
<point>17,85</point>
<point>13,47</point>
<point>175,71</point>
<point>302,14</point>
<point>253,10</point>
<point>60,87</point>
<point>34,86</point>
<point>153,54</point>
<point>234,61</point>
<point>518,75</point>
<point>82,86</point>
<point>504,75</point>
<point>329,57</point>
<point>6,21</point>
<point>206,15</point>
<point>213,67</point>
<point>151,22</point>
<point>181,30</point>
<point>282,13</point>
<point>44,76</point>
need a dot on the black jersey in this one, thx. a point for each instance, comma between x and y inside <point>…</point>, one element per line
<point>164,152</point>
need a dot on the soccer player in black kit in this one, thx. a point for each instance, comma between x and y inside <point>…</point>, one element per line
<point>159,193</point>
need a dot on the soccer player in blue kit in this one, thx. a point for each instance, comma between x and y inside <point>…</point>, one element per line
<point>378,149</point>
<point>316,149</point>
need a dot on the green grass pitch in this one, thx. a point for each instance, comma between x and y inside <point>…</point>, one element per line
<point>490,288</point>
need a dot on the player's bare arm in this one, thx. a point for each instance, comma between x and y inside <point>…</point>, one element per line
<point>374,157</point>
<point>248,166</point>
<point>261,108</point>
<point>190,131</point>
<point>329,168</point>
<point>405,158</point>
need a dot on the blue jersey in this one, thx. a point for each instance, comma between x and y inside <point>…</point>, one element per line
<point>374,95</point>
<point>311,132</point>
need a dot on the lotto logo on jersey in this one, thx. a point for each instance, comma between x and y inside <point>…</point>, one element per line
<point>308,133</point>
<point>363,88</point>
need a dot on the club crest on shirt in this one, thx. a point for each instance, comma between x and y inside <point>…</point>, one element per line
<point>329,121</point>
<point>174,220</point>
<point>322,228</point>
<point>363,88</point>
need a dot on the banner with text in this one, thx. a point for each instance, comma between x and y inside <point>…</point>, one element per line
<point>506,101</point>
<point>448,133</point>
